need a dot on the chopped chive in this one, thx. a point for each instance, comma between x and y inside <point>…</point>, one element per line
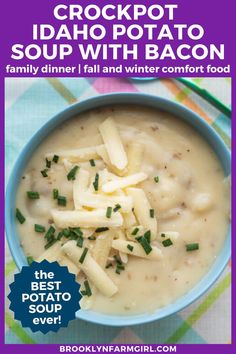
<point>117,207</point>
<point>109,212</point>
<point>163,235</point>
<point>44,172</point>
<point>147,236</point>
<point>60,235</point>
<point>130,248</point>
<point>48,163</point>
<point>55,193</point>
<point>109,265</point>
<point>117,259</point>
<point>66,233</point>
<point>167,242</point>
<point>50,243</point>
<point>71,175</point>
<point>77,231</point>
<point>83,292</point>
<point>80,242</point>
<point>73,236</point>
<point>120,266</point>
<point>92,238</point>
<point>20,217</point>
<point>138,238</point>
<point>33,195</point>
<point>156,179</point>
<point>145,244</point>
<point>39,228</point>
<point>92,162</point>
<point>87,288</point>
<point>192,246</point>
<point>30,259</point>
<point>50,233</point>
<point>96,182</point>
<point>55,158</point>
<point>135,231</point>
<point>83,255</point>
<point>102,229</point>
<point>61,200</point>
<point>151,211</point>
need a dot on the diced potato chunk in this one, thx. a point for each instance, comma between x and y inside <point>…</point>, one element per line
<point>202,202</point>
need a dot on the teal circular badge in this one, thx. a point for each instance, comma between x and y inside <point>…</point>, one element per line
<point>44,296</point>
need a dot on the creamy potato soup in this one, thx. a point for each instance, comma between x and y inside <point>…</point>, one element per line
<point>132,200</point>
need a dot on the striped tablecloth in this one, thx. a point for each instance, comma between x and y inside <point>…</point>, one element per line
<point>29,104</point>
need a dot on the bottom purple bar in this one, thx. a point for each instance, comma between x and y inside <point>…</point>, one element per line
<point>118,348</point>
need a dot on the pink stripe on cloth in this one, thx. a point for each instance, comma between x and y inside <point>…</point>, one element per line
<point>108,85</point>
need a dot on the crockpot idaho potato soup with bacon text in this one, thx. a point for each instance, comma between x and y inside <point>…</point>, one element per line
<point>132,200</point>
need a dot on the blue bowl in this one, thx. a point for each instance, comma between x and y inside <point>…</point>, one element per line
<point>178,110</point>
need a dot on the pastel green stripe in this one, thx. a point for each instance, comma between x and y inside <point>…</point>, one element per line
<point>62,90</point>
<point>183,94</point>
<point>223,135</point>
<point>198,80</point>
<point>200,310</point>
<point>18,330</point>
<point>186,91</point>
<point>9,267</point>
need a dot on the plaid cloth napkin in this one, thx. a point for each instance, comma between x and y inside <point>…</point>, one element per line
<point>29,104</point>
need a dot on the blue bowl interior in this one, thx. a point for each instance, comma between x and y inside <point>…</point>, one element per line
<point>122,98</point>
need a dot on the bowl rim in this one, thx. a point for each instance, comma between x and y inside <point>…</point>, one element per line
<point>181,112</point>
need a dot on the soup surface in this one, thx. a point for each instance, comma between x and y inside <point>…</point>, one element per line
<point>184,184</point>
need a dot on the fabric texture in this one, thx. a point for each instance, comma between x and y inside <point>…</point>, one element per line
<point>29,104</point>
